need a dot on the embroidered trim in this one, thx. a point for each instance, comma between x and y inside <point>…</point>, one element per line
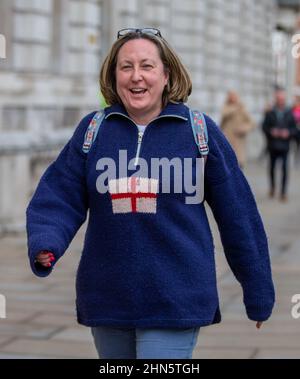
<point>92,131</point>
<point>200,131</point>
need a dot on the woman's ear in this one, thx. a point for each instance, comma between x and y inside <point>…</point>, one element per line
<point>167,78</point>
<point>166,74</point>
<point>168,87</point>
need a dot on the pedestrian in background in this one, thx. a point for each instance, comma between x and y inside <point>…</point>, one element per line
<point>279,127</point>
<point>236,124</point>
<point>296,114</point>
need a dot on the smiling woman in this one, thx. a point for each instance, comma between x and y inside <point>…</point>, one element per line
<point>144,74</point>
<point>146,281</point>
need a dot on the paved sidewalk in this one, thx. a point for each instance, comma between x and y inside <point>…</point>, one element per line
<point>41,320</point>
<point>237,337</point>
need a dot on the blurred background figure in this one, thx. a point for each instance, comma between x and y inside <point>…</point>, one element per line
<point>296,114</point>
<point>236,123</point>
<point>279,127</point>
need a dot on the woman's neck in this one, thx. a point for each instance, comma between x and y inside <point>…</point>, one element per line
<point>144,119</point>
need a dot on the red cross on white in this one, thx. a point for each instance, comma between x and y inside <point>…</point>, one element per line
<point>134,195</point>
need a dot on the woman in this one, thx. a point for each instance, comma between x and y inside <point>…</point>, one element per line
<point>146,282</point>
<point>236,123</point>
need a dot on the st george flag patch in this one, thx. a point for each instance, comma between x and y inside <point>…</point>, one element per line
<point>133,195</point>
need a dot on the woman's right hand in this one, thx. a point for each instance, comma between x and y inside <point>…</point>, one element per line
<point>259,324</point>
<point>45,258</point>
<point>275,132</point>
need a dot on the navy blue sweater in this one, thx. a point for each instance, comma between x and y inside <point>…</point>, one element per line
<point>150,263</point>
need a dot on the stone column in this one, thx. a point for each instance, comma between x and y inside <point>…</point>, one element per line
<point>60,36</point>
<point>297,63</point>
<point>6,31</point>
<point>32,35</point>
<point>85,37</point>
<point>187,36</point>
<point>84,49</point>
<point>14,191</point>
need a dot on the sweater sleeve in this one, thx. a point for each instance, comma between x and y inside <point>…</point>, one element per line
<point>240,225</point>
<point>59,205</point>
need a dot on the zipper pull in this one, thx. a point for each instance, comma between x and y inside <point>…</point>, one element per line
<point>140,138</point>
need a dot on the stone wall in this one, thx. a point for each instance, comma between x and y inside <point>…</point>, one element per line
<point>49,79</point>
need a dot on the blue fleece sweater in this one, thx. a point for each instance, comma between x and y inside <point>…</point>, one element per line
<point>150,262</point>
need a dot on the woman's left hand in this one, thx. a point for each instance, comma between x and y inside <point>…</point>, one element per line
<point>259,324</point>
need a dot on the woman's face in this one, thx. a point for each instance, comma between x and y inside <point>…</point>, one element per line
<point>232,97</point>
<point>140,77</point>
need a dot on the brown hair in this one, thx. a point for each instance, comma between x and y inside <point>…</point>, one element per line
<point>179,86</point>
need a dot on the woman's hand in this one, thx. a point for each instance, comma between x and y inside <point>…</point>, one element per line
<point>45,258</point>
<point>284,134</point>
<point>275,132</point>
<point>259,324</point>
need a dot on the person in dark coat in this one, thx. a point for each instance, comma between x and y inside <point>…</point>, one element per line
<point>279,127</point>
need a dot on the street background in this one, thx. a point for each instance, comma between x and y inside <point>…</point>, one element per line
<point>49,81</point>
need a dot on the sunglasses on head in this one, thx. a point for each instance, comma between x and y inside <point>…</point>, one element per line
<point>152,31</point>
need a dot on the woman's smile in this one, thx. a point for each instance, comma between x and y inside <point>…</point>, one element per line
<point>138,93</point>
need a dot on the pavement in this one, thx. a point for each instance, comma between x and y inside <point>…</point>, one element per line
<point>40,313</point>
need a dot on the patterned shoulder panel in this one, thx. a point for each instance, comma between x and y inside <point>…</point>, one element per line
<point>198,124</point>
<point>92,131</point>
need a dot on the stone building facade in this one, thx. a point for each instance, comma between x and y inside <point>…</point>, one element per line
<point>54,49</point>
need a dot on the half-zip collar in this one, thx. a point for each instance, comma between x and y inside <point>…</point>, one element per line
<point>179,111</point>
<point>173,111</point>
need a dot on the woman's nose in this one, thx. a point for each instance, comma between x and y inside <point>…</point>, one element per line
<point>136,75</point>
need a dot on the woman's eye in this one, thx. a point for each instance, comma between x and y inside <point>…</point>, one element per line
<point>125,67</point>
<point>147,66</point>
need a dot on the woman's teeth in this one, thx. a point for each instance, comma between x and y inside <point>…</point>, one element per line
<point>138,91</point>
